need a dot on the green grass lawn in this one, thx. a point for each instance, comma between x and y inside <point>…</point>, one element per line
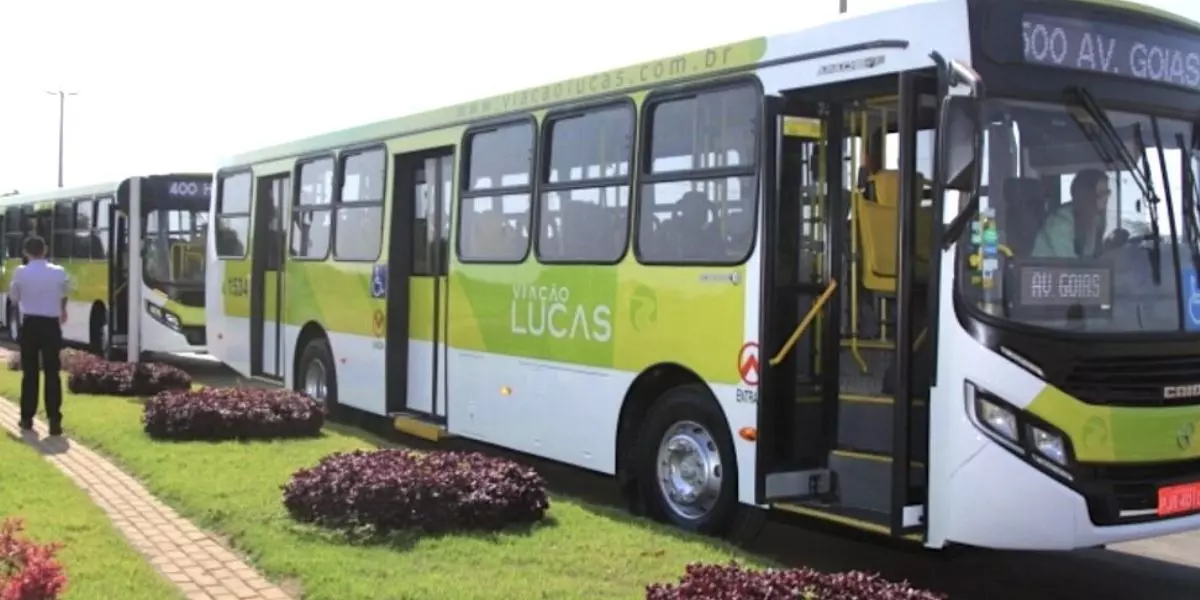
<point>585,551</point>
<point>98,561</point>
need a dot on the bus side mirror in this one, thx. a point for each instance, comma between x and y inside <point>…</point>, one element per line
<point>961,146</point>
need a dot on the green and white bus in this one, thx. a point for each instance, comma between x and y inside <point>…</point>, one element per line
<point>153,225</point>
<point>798,272</point>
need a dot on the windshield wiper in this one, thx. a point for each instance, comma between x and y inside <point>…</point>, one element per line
<point>1152,199</point>
<point>1191,235</point>
<point>1141,177</point>
<point>1100,119</point>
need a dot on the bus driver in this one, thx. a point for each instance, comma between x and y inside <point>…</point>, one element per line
<point>1075,229</point>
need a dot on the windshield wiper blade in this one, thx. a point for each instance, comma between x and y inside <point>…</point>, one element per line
<point>1098,142</point>
<point>1141,177</point>
<point>1088,102</point>
<point>1156,250</point>
<point>1191,235</point>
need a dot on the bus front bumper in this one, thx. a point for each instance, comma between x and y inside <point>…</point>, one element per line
<point>1000,501</point>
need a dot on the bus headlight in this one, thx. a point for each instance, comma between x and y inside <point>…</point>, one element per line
<point>1020,432</point>
<point>1049,445</point>
<point>164,316</point>
<point>997,418</point>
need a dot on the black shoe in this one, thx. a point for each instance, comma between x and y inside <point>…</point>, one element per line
<point>55,429</point>
<point>26,424</point>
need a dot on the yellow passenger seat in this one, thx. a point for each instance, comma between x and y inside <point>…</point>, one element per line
<point>878,228</point>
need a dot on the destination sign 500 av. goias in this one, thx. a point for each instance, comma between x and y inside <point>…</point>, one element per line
<point>1103,47</point>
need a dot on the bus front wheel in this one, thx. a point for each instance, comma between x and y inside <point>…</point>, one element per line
<point>687,470</point>
<point>316,376</point>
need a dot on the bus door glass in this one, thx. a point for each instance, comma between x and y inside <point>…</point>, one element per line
<point>267,247</point>
<point>118,267</point>
<point>423,184</point>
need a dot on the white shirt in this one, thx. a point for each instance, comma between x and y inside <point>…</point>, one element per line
<point>39,288</point>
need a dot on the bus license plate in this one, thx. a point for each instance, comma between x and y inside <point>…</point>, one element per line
<point>1176,499</point>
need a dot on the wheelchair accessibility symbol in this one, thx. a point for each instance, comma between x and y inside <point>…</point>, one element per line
<point>379,281</point>
<point>1191,300</point>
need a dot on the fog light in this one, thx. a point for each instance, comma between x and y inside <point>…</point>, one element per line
<point>1049,445</point>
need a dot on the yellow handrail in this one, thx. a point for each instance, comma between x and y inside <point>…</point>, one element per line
<point>858,159</point>
<point>812,314</point>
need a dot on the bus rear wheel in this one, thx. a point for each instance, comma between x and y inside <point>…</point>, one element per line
<point>98,341</point>
<point>687,470</point>
<point>316,376</point>
<point>14,323</point>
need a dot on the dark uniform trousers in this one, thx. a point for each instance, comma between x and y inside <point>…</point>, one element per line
<point>41,341</point>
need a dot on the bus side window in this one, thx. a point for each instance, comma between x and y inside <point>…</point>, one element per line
<point>233,215</point>
<point>12,232</point>
<point>494,211</point>
<point>358,210</point>
<point>62,241</point>
<point>81,245</point>
<point>584,208</point>
<point>99,235</point>
<point>312,222</point>
<point>699,207</point>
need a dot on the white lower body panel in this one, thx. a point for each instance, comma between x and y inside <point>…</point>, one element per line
<point>1005,503</point>
<point>553,410</point>
<point>157,337</point>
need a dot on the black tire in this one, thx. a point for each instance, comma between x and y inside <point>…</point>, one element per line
<point>317,351</point>
<point>96,335</point>
<point>12,324</point>
<point>688,403</point>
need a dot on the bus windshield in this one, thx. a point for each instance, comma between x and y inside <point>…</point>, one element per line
<point>174,246</point>
<point>1082,225</point>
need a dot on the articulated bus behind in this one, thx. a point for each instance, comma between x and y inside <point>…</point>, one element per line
<point>88,230</point>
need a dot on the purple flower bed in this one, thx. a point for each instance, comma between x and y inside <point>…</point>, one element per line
<point>70,359</point>
<point>232,413</point>
<point>105,378</point>
<point>733,582</point>
<point>388,490</point>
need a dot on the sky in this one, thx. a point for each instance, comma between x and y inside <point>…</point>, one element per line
<point>175,86</point>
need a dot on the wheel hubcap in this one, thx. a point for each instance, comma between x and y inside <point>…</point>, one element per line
<point>314,381</point>
<point>689,470</point>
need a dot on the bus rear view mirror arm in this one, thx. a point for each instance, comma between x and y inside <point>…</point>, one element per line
<point>960,151</point>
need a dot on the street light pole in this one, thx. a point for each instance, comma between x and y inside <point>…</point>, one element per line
<point>62,106</point>
<point>842,6</point>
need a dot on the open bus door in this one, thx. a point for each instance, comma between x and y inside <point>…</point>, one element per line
<point>125,272</point>
<point>840,437</point>
<point>416,289</point>
<point>266,276</point>
<point>118,280</point>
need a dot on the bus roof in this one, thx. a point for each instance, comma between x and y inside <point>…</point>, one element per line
<point>97,189</point>
<point>734,56</point>
<point>59,194</point>
<point>709,61</point>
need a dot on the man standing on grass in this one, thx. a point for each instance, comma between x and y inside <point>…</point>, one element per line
<point>40,291</point>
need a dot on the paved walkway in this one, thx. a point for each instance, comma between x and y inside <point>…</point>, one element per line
<point>187,556</point>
